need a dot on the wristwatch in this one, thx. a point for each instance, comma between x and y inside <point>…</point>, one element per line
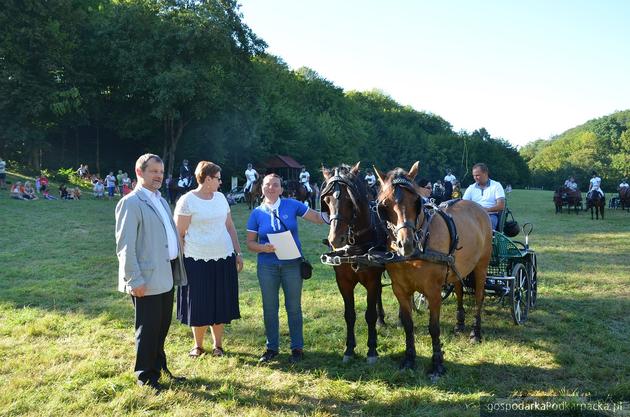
<point>239,254</point>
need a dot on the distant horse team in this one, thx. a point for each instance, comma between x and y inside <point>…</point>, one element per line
<point>569,198</point>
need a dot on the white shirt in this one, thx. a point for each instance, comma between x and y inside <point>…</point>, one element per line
<point>111,181</point>
<point>207,236</point>
<point>486,197</point>
<point>450,178</point>
<point>370,179</point>
<point>3,166</point>
<point>623,185</point>
<point>251,174</point>
<point>171,236</point>
<point>305,176</point>
<point>596,183</point>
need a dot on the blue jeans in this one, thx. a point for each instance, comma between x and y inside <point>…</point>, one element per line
<point>270,278</point>
<point>494,219</point>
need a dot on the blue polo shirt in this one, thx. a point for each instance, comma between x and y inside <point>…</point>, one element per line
<point>260,221</point>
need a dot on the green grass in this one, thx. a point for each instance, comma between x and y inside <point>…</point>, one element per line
<point>67,344</point>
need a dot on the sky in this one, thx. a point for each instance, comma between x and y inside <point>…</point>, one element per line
<point>524,70</point>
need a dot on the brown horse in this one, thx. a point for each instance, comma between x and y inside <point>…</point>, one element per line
<point>345,198</point>
<point>301,193</point>
<point>467,247</point>
<point>624,198</point>
<point>254,194</point>
<point>565,196</point>
<point>594,200</point>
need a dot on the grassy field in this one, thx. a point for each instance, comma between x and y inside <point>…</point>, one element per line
<point>67,344</point>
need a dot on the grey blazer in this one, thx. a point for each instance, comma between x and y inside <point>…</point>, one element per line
<point>141,247</point>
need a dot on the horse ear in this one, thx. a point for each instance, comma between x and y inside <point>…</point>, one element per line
<point>325,173</point>
<point>379,174</point>
<point>355,169</point>
<point>414,170</point>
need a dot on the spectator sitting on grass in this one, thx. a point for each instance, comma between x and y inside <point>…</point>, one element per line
<point>75,194</point>
<point>63,191</point>
<point>99,189</point>
<point>17,192</point>
<point>29,191</point>
<point>46,195</point>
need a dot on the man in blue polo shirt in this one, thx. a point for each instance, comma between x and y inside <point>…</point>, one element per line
<point>486,192</point>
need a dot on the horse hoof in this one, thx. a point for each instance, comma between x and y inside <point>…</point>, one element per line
<point>346,358</point>
<point>459,329</point>
<point>371,360</point>
<point>475,338</point>
<point>380,323</point>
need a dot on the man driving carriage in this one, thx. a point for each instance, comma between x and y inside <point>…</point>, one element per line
<point>571,184</point>
<point>487,193</point>
<point>251,175</point>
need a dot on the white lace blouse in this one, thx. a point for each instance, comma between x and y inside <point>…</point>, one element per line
<point>207,237</point>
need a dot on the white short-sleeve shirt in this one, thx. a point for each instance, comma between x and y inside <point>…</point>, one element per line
<point>596,183</point>
<point>207,237</point>
<point>251,174</point>
<point>486,197</point>
<point>450,178</point>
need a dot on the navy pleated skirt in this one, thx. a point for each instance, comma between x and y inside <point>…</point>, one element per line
<point>211,296</point>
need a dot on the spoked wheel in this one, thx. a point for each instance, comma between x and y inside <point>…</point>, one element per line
<point>419,302</point>
<point>533,280</point>
<point>520,291</point>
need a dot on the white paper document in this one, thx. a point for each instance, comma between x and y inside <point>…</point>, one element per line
<point>285,245</point>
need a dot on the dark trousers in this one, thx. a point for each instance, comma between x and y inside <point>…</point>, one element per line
<point>153,319</point>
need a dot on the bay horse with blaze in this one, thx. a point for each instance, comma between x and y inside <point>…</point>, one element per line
<point>463,231</point>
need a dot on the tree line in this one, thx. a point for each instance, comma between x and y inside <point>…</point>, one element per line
<point>101,81</point>
<point>601,145</point>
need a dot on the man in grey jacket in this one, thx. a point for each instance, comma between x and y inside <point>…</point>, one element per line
<point>150,264</point>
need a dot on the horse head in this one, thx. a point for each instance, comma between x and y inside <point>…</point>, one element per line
<point>400,205</point>
<point>344,199</point>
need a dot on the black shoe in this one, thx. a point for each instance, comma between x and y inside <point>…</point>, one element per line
<point>156,386</point>
<point>268,356</point>
<point>296,355</point>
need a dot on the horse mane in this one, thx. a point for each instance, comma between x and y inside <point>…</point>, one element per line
<point>345,171</point>
<point>387,191</point>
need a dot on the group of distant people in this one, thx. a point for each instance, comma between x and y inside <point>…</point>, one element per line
<point>595,184</point>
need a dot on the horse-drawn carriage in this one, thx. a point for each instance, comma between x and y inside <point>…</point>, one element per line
<point>569,198</point>
<point>429,249</point>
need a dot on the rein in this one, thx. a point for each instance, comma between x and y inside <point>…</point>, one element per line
<point>421,233</point>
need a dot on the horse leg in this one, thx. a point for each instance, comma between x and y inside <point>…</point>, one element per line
<point>404,301</point>
<point>459,293</point>
<point>346,288</point>
<point>437,368</point>
<point>602,208</point>
<point>373,294</point>
<point>481,272</point>
<point>380,312</point>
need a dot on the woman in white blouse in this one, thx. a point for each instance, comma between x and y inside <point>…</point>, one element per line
<point>212,256</point>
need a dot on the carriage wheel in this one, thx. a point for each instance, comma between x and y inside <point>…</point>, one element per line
<point>419,302</point>
<point>520,291</point>
<point>533,280</point>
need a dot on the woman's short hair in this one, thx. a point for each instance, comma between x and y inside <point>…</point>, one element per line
<point>273,175</point>
<point>206,169</point>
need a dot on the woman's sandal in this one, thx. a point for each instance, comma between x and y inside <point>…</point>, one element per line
<point>218,352</point>
<point>196,352</point>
